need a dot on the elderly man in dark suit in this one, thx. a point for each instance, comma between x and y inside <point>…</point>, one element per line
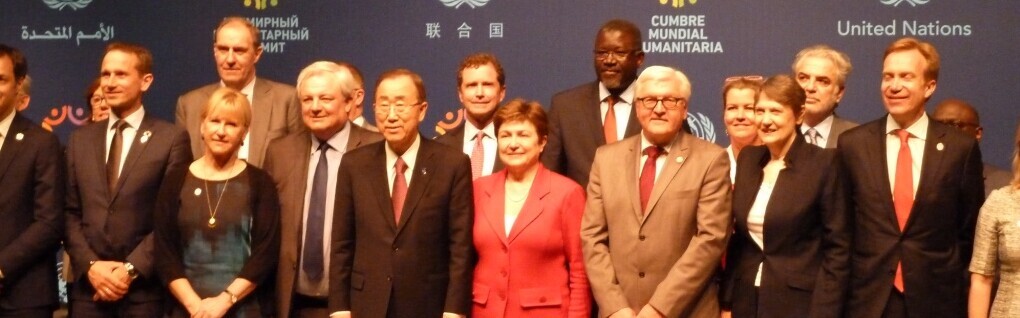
<point>115,169</point>
<point>821,71</point>
<point>403,218</point>
<point>32,201</point>
<point>481,86</point>
<point>915,190</point>
<point>600,112</point>
<point>275,110</point>
<point>307,190</point>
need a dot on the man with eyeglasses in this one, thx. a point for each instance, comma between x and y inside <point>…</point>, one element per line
<point>960,114</point>
<point>597,113</point>
<point>275,111</point>
<point>658,213</point>
<point>403,217</point>
<point>821,71</point>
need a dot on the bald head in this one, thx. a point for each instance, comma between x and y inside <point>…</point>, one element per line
<point>959,114</point>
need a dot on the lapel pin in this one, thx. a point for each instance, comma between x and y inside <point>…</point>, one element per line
<point>680,159</point>
<point>19,136</point>
<point>940,146</point>
<point>198,191</point>
<point>424,171</point>
<point>145,136</point>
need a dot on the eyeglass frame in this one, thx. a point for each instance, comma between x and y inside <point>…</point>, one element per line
<point>603,55</point>
<point>378,107</point>
<point>643,101</point>
<point>958,124</point>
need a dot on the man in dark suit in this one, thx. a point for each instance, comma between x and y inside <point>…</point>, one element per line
<point>275,110</point>
<point>915,188</point>
<point>821,71</point>
<point>357,110</point>
<point>403,218</point>
<point>32,200</point>
<point>960,114</point>
<point>481,86</point>
<point>327,92</point>
<point>597,113</point>
<point>115,169</point>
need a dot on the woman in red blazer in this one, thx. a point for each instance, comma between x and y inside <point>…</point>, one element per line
<point>527,228</point>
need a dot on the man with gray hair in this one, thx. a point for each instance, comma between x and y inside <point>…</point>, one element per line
<point>327,92</point>
<point>658,213</point>
<point>356,115</point>
<point>821,71</point>
<point>237,47</point>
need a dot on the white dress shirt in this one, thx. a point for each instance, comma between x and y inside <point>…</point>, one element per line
<point>488,145</point>
<point>621,108</point>
<point>133,122</point>
<point>756,216</point>
<point>918,135</point>
<point>5,127</point>
<point>336,150</point>
<point>823,128</point>
<point>659,162</point>
<point>409,156</point>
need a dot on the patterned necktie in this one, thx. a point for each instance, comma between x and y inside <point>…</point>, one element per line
<point>313,259</point>
<point>113,161</point>
<point>648,175</point>
<point>478,156</point>
<point>812,137</point>
<point>903,193</point>
<point>399,189</point>
<point>609,124</point>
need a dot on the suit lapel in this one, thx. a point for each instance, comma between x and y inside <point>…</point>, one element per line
<point>302,150</point>
<point>594,118</point>
<point>631,162</point>
<point>876,154</point>
<point>676,157</point>
<point>11,144</point>
<point>930,163</point>
<point>533,206</point>
<point>262,111</point>
<point>420,179</point>
<point>742,203</point>
<point>142,137</point>
<point>380,184</point>
<point>495,210</point>
<point>98,138</point>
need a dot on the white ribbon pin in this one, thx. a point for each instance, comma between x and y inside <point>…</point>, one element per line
<point>198,191</point>
<point>19,136</point>
<point>680,159</point>
<point>940,146</point>
<point>145,137</point>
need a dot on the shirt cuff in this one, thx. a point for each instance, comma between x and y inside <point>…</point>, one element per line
<point>337,313</point>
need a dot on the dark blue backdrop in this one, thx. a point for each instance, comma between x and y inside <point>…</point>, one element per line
<point>545,46</point>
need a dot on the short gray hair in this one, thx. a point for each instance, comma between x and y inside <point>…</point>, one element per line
<point>839,59</point>
<point>661,73</point>
<point>328,68</point>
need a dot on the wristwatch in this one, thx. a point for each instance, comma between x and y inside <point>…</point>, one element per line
<point>233,298</point>
<point>131,270</point>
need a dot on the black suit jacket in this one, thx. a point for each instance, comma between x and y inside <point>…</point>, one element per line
<point>575,131</point>
<point>287,163</point>
<point>419,268</point>
<point>935,246</point>
<point>807,229</point>
<point>31,210</point>
<point>455,138</point>
<point>118,226</point>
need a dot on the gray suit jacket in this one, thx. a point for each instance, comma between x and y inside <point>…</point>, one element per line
<point>276,113</point>
<point>575,131</point>
<point>286,162</point>
<point>995,178</point>
<point>839,125</point>
<point>667,255</point>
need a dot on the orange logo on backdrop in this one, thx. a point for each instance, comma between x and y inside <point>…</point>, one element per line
<point>677,3</point>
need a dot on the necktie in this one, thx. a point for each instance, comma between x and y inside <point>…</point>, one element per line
<point>313,260</point>
<point>903,193</point>
<point>399,189</point>
<point>477,156</point>
<point>812,136</point>
<point>609,124</point>
<point>648,175</point>
<point>113,161</point>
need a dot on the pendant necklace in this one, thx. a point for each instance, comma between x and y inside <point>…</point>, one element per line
<point>208,200</point>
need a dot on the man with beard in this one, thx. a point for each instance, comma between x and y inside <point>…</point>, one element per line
<point>596,113</point>
<point>481,85</point>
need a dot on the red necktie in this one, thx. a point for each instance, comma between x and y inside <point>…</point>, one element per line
<point>478,156</point>
<point>903,193</point>
<point>399,189</point>
<point>609,124</point>
<point>648,175</point>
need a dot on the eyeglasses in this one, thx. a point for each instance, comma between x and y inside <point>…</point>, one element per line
<point>670,103</point>
<point>398,108</point>
<point>959,124</point>
<point>619,55</point>
<point>753,78</point>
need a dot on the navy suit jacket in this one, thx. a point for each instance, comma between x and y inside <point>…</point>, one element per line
<point>936,243</point>
<point>31,210</point>
<point>118,226</point>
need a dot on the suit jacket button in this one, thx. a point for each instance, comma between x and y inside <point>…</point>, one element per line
<point>388,278</point>
<point>641,274</point>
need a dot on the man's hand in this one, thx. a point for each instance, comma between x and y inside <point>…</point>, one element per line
<point>108,285</point>
<point>452,315</point>
<point>624,313</point>
<point>649,312</point>
<point>725,314</point>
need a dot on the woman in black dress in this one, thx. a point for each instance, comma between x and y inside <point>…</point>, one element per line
<point>218,236</point>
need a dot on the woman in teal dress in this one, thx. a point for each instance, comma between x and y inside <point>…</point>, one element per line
<point>218,237</point>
